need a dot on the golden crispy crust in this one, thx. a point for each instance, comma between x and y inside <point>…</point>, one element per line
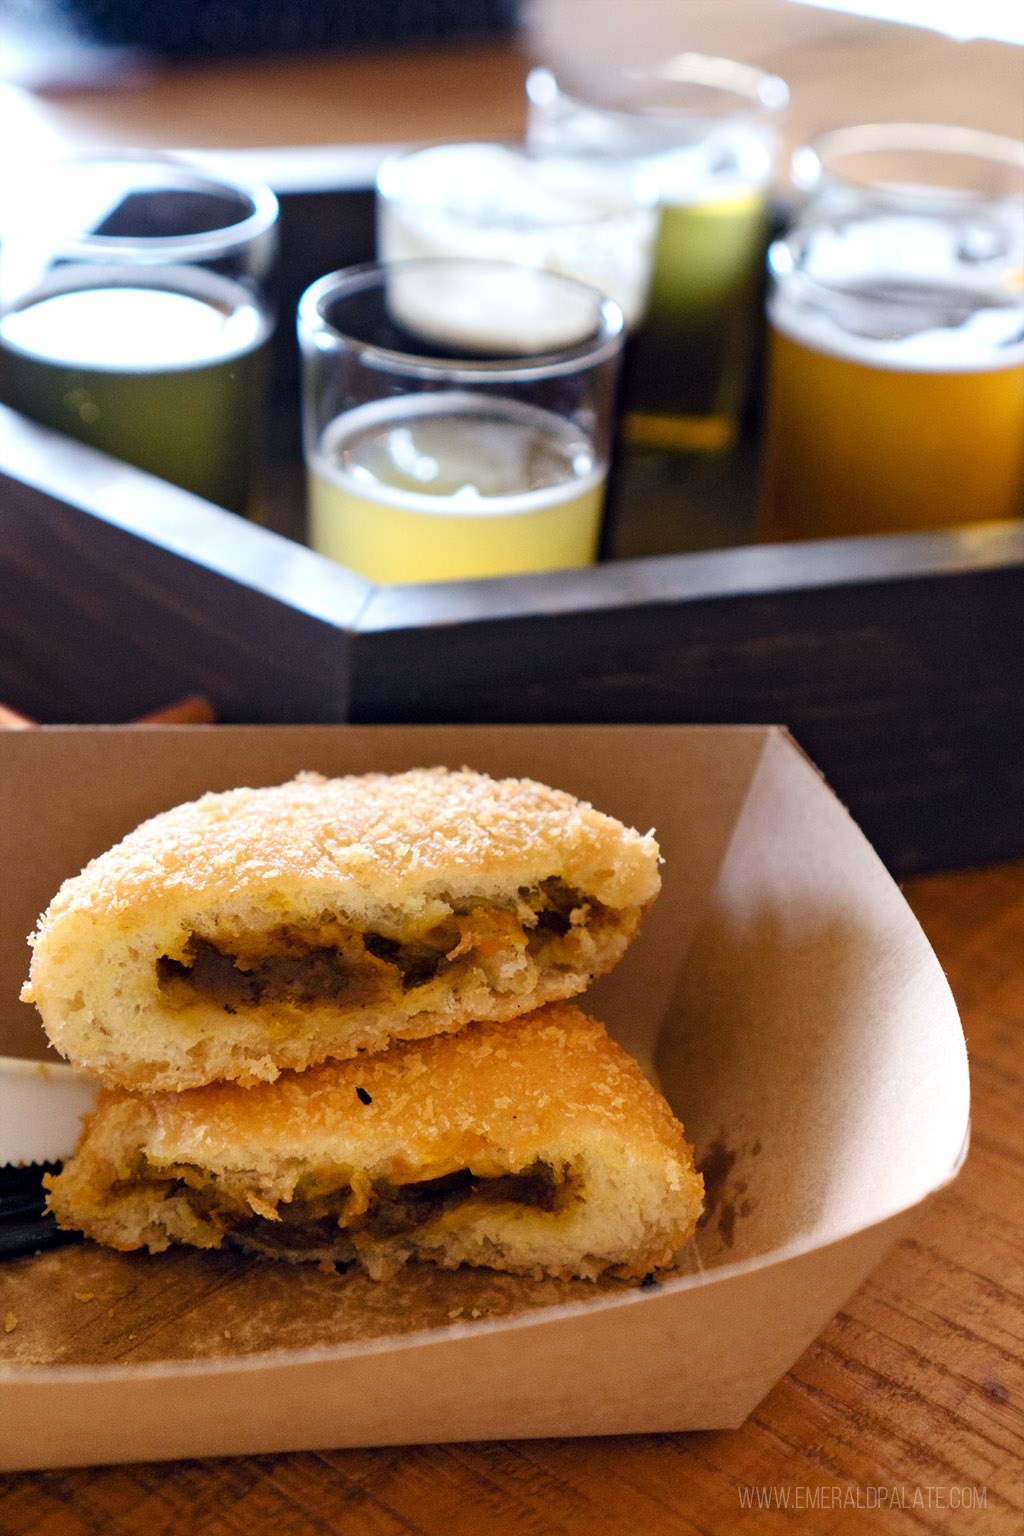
<point>549,1089</point>
<point>379,838</point>
<point>253,871</point>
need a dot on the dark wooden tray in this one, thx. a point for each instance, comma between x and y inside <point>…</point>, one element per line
<point>896,662</point>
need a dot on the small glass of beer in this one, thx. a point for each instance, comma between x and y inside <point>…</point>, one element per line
<point>134,314</point>
<point>457,417</point>
<point>498,202</point>
<point>702,132</point>
<point>895,394</point>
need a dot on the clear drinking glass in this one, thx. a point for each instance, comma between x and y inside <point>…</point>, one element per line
<point>895,396</point>
<point>499,202</point>
<point>457,417</point>
<point>703,132</point>
<point>134,314</point>
<point>933,167</point>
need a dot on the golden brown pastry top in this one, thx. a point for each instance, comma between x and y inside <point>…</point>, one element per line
<point>373,838</point>
<point>552,1081</point>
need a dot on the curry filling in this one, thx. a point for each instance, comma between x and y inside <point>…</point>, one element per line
<point>554,925</point>
<point>315,1222</point>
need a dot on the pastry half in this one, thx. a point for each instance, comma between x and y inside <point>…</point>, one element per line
<point>534,1146</point>
<point>262,929</point>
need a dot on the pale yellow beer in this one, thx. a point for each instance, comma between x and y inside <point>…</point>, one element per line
<point>451,485</point>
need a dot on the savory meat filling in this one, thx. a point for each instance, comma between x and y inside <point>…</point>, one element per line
<point>335,963</point>
<point>393,1212</point>
<point>304,976</point>
<point>316,1222</point>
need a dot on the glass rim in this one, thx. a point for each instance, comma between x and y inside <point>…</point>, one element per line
<point>819,161</point>
<point>312,322</point>
<point>201,244</point>
<point>747,85</point>
<point>638,199</point>
<point>785,256</point>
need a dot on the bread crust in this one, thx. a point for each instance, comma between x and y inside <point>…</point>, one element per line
<point>258,872</point>
<point>548,1091</point>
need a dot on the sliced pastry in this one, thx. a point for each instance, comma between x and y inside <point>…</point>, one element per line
<point>256,930</point>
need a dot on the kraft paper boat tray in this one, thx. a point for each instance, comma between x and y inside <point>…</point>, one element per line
<point>780,988</point>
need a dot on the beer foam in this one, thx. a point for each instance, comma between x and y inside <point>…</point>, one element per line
<point>733,163</point>
<point>903,291</point>
<point>117,320</point>
<point>494,203</point>
<point>987,339</point>
<point>491,472</point>
<point>511,311</point>
<point>481,183</point>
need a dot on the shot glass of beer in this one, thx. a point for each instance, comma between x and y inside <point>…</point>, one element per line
<point>134,314</point>
<point>457,417</point>
<point>499,202</point>
<point>703,134</point>
<point>895,392</point>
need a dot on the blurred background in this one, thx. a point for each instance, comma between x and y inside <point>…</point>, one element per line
<point>252,73</point>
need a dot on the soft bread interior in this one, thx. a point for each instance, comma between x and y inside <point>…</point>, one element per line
<point>535,1147</point>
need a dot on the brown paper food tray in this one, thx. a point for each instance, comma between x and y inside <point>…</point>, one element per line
<point>780,988</point>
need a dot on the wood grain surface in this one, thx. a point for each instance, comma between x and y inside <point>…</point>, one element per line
<point>905,1416</point>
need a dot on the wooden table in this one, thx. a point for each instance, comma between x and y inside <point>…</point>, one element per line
<point>903,1417</point>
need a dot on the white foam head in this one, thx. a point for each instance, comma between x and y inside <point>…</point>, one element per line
<point>481,308</point>
<point>903,292</point>
<point>494,202</point>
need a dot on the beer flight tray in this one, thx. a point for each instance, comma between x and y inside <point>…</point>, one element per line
<point>895,661</point>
